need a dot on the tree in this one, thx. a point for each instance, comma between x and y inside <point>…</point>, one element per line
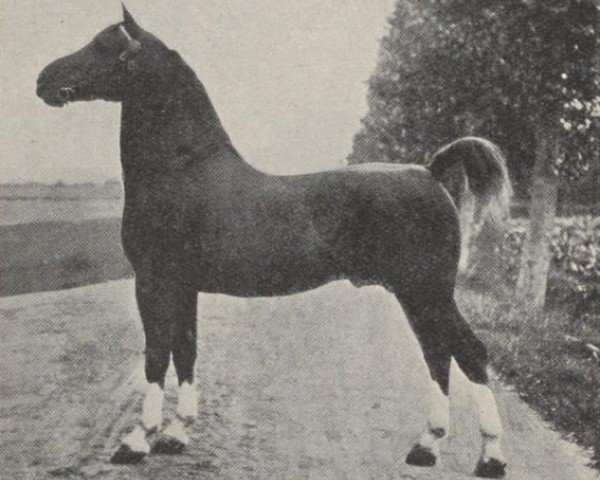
<point>521,72</point>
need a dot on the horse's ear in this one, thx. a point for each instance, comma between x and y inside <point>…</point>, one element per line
<point>130,24</point>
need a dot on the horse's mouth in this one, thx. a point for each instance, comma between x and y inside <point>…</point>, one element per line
<point>56,98</point>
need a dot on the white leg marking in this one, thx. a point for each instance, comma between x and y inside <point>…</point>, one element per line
<point>489,422</point>
<point>439,410</point>
<point>152,407</point>
<point>176,430</point>
<point>491,449</point>
<point>487,410</point>
<point>136,440</point>
<point>438,420</point>
<point>429,441</point>
<point>187,405</point>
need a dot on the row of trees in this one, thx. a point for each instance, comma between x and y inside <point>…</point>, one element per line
<point>524,73</point>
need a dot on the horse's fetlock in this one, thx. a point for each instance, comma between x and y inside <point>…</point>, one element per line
<point>438,432</point>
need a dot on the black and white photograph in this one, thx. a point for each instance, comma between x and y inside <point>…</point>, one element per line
<point>304,240</point>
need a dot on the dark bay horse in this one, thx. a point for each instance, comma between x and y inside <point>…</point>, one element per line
<point>197,217</point>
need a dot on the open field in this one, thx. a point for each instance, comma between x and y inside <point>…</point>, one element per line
<point>34,210</point>
<point>38,202</point>
<point>57,255</point>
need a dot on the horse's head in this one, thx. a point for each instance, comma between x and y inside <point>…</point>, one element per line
<point>106,68</point>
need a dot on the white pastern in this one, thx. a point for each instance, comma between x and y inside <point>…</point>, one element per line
<point>136,440</point>
<point>431,442</point>
<point>489,421</point>
<point>187,406</point>
<point>439,410</point>
<point>438,420</point>
<point>491,449</point>
<point>176,430</point>
<point>487,411</point>
<point>152,407</point>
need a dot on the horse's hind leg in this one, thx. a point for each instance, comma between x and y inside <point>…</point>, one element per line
<point>426,317</point>
<point>471,355</point>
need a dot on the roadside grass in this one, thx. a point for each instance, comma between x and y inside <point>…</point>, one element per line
<point>44,256</point>
<point>554,373</point>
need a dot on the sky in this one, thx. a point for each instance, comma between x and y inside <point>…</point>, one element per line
<point>288,79</point>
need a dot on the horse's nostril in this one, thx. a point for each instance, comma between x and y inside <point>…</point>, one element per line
<point>65,93</point>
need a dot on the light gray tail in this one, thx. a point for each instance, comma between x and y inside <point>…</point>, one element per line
<point>477,165</point>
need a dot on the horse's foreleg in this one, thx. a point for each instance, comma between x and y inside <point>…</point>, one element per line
<point>184,357</point>
<point>174,438</point>
<point>471,355</point>
<point>425,318</point>
<point>157,305</point>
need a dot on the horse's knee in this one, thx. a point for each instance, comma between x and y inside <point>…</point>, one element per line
<point>185,353</point>
<point>184,343</point>
<point>157,363</point>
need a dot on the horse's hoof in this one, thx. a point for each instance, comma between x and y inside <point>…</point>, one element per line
<point>168,445</point>
<point>172,440</point>
<point>490,468</point>
<point>421,457</point>
<point>125,455</point>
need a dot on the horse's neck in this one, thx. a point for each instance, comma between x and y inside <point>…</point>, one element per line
<point>166,122</point>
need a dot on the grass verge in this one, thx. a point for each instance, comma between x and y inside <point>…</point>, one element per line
<point>556,375</point>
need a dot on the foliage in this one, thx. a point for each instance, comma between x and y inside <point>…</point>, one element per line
<point>575,249</point>
<point>545,359</point>
<point>504,69</point>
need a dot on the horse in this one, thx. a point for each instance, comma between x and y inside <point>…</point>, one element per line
<point>198,218</point>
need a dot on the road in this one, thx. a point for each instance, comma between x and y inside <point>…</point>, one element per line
<point>323,385</point>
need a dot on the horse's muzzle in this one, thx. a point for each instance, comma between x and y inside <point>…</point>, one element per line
<point>50,93</point>
<point>53,96</point>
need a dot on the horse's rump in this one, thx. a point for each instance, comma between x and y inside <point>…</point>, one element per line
<point>379,219</point>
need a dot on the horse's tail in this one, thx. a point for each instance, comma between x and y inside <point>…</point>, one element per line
<point>478,165</point>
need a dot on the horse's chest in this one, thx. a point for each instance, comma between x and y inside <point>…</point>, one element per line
<point>153,233</point>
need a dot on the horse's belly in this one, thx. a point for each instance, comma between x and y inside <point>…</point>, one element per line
<point>265,277</point>
<point>263,289</point>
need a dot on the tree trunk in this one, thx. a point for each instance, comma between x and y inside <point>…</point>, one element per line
<point>533,276</point>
